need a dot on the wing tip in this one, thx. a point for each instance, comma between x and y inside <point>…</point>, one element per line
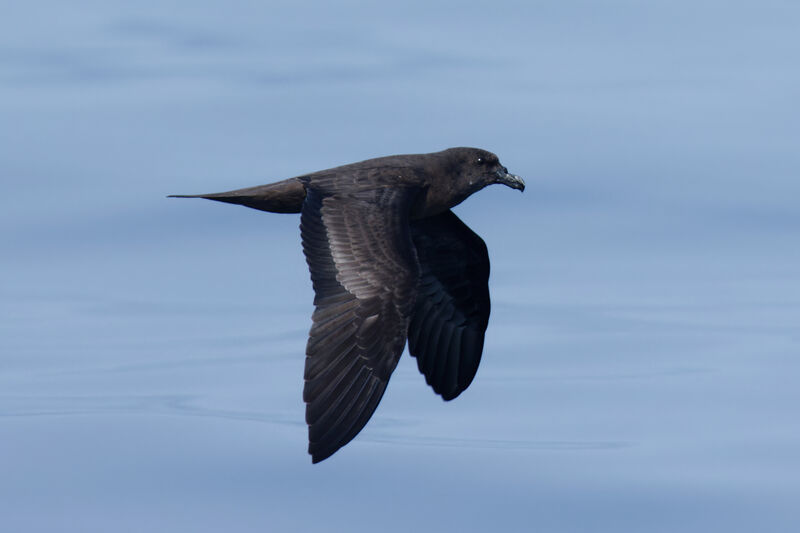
<point>448,396</point>
<point>318,458</point>
<point>319,453</point>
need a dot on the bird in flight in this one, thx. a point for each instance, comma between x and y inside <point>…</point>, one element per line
<point>389,261</point>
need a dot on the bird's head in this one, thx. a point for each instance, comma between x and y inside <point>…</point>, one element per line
<point>478,168</point>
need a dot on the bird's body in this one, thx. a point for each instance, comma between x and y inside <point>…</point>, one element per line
<point>389,261</point>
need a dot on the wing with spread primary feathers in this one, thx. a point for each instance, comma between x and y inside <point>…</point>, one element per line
<point>365,272</point>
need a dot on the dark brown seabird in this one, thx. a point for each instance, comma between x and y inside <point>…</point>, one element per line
<point>388,261</point>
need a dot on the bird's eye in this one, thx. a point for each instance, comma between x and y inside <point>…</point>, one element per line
<point>480,161</point>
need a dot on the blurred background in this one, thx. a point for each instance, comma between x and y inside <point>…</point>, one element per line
<point>641,364</point>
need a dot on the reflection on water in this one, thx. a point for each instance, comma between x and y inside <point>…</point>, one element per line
<point>641,359</point>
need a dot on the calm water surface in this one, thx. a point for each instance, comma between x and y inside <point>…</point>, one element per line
<point>642,359</point>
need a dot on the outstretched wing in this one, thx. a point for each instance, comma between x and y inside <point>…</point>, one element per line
<point>364,271</point>
<point>452,306</point>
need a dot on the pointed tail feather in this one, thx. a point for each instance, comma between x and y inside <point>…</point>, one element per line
<point>282,197</point>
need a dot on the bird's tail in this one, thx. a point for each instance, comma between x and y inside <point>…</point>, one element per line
<point>281,197</point>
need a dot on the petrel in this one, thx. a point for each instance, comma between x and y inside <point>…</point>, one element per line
<point>389,261</point>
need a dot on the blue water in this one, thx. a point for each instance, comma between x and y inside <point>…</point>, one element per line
<point>642,360</point>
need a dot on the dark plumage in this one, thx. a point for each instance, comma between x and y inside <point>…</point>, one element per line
<point>388,261</point>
